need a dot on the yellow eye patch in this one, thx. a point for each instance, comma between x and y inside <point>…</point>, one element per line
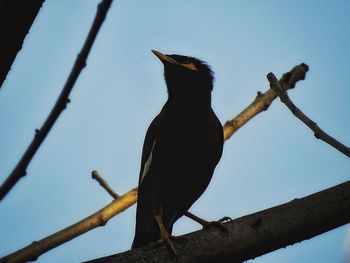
<point>190,66</point>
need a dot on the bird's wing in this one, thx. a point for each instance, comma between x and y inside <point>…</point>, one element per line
<point>148,146</point>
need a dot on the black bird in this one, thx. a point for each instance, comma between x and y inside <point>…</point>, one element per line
<point>183,145</point>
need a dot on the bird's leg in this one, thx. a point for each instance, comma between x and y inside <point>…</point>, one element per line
<point>207,224</point>
<point>164,233</point>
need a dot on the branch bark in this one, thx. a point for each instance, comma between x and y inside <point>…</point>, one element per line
<point>20,170</point>
<point>256,234</point>
<point>318,132</point>
<point>288,81</point>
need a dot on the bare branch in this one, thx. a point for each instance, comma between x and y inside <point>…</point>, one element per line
<point>289,80</point>
<point>256,234</point>
<point>318,132</point>
<point>95,175</point>
<point>100,218</point>
<point>264,100</point>
<point>20,170</point>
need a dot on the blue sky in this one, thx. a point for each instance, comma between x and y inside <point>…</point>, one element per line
<point>271,160</point>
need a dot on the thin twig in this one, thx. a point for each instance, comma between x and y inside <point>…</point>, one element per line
<point>318,132</point>
<point>289,80</point>
<point>264,100</point>
<point>20,170</point>
<point>95,175</point>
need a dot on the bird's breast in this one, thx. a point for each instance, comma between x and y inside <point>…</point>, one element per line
<point>188,147</point>
<point>187,151</point>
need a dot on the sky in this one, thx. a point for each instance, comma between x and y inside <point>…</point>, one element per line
<point>271,160</point>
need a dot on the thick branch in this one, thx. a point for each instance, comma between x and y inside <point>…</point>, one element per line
<point>100,218</point>
<point>318,132</point>
<point>20,169</point>
<point>289,80</point>
<point>256,234</point>
<point>264,100</point>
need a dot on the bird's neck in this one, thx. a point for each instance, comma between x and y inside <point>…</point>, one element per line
<point>188,95</point>
<point>189,105</point>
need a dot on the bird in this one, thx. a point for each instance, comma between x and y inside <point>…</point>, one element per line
<point>182,146</point>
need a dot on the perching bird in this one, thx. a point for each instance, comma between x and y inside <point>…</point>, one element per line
<point>183,145</point>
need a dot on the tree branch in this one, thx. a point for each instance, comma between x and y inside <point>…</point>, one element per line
<point>20,170</point>
<point>95,175</point>
<point>263,100</point>
<point>256,234</point>
<point>318,132</point>
<point>288,80</point>
<point>100,218</point>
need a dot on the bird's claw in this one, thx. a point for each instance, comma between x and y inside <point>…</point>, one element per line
<point>219,223</point>
<point>165,234</point>
<point>171,247</point>
<point>169,244</point>
<point>225,219</point>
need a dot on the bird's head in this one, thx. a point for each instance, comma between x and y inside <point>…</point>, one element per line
<point>186,77</point>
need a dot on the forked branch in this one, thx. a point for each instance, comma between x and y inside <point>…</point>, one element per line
<point>263,100</point>
<point>318,132</point>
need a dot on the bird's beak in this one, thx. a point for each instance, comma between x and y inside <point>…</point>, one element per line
<point>164,58</point>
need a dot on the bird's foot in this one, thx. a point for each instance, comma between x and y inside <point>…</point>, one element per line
<point>166,238</point>
<point>225,219</point>
<point>208,224</point>
<point>219,223</point>
<point>170,245</point>
<point>168,242</point>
